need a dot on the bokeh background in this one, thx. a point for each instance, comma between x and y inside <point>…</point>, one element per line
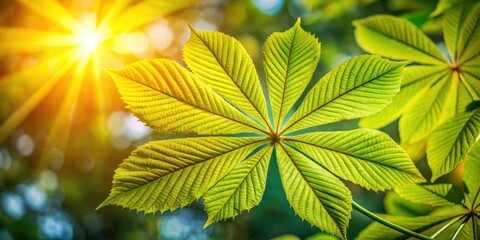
<point>64,129</point>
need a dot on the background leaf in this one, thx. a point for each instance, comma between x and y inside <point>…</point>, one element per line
<point>415,81</point>
<point>419,121</point>
<point>469,39</point>
<point>471,176</point>
<point>436,195</point>
<point>450,143</point>
<point>396,38</point>
<point>425,225</point>
<point>453,21</point>
<point>398,206</point>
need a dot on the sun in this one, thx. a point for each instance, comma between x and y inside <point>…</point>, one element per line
<point>70,46</point>
<point>89,41</point>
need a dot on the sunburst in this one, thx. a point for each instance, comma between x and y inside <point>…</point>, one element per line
<point>74,46</point>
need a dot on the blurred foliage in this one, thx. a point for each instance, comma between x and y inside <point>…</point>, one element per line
<point>58,200</point>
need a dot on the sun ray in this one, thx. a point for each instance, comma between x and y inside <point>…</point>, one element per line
<point>53,11</point>
<point>25,40</point>
<point>20,113</point>
<point>28,78</point>
<point>145,11</point>
<point>60,130</point>
<point>99,94</point>
<point>114,10</point>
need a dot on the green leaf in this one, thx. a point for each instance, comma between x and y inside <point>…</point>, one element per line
<point>396,38</point>
<point>459,97</point>
<point>420,120</point>
<point>290,58</point>
<point>450,143</point>
<point>321,236</point>
<point>444,5</point>
<point>415,81</point>
<point>469,39</point>
<point>314,193</point>
<point>242,189</point>
<point>436,195</point>
<point>221,62</point>
<point>170,99</point>
<point>222,95</point>
<point>398,206</point>
<point>425,225</point>
<point>452,24</point>
<point>170,174</point>
<point>366,157</point>
<point>356,88</point>
<point>471,177</point>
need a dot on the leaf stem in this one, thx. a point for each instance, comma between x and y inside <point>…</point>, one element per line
<point>388,223</point>
<point>449,224</point>
<point>460,228</point>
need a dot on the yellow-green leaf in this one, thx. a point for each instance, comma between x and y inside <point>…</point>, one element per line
<point>419,121</point>
<point>435,195</point>
<point>450,143</point>
<point>170,99</point>
<point>315,194</point>
<point>358,87</point>
<point>469,39</point>
<point>425,225</point>
<point>471,177</point>
<point>240,190</point>
<point>396,38</point>
<point>290,58</point>
<point>223,64</point>
<point>453,21</point>
<point>415,81</point>
<point>170,174</point>
<point>366,157</point>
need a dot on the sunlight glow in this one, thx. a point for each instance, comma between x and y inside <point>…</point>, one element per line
<point>89,41</point>
<point>70,45</point>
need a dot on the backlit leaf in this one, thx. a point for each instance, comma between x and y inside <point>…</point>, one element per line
<point>471,177</point>
<point>396,38</point>
<point>436,195</point>
<point>170,174</point>
<point>450,143</point>
<point>222,62</point>
<point>168,98</point>
<point>421,118</point>
<point>242,189</point>
<point>452,24</point>
<point>415,81</point>
<point>222,95</point>
<point>469,39</point>
<point>290,58</point>
<point>426,225</point>
<point>314,193</point>
<point>366,157</point>
<point>356,88</point>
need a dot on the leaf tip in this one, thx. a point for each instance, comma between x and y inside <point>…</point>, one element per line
<point>208,223</point>
<point>192,30</point>
<point>103,204</point>
<point>298,21</point>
